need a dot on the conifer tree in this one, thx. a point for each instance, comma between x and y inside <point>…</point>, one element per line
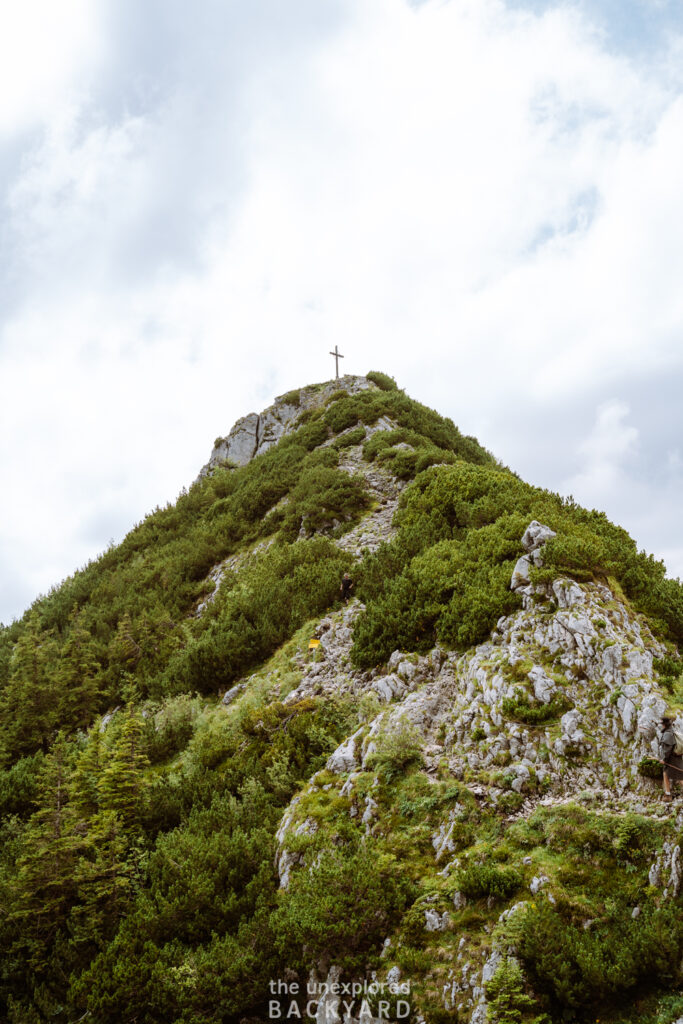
<point>28,706</point>
<point>78,676</point>
<point>106,879</point>
<point>122,782</point>
<point>45,885</point>
<point>87,774</point>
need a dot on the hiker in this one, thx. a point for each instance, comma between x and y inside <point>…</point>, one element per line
<point>672,762</point>
<point>346,587</point>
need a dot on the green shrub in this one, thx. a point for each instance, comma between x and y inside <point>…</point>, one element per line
<point>452,593</point>
<point>650,768</point>
<point>347,902</point>
<point>285,587</point>
<point>19,786</point>
<point>382,380</point>
<point>509,802</point>
<point>323,494</point>
<point>669,670</point>
<point>479,881</point>
<point>388,447</point>
<point>170,729</point>
<point>522,709</point>
<point>348,440</point>
<point>578,969</point>
<point>337,396</point>
<point>398,748</point>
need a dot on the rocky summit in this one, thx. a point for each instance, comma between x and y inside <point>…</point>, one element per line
<point>231,791</point>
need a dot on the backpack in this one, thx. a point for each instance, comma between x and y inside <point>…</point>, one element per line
<point>678,734</point>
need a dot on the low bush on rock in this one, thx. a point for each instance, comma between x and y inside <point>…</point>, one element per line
<point>521,708</point>
<point>398,748</point>
<point>479,881</point>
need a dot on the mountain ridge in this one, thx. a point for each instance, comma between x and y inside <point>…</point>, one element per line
<point>447,785</point>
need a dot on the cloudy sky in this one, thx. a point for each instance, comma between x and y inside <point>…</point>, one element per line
<point>197,201</point>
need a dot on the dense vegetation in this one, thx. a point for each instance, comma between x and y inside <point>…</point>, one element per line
<point>446,576</point>
<point>137,876</point>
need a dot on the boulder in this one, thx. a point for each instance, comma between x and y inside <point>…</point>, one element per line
<point>436,922</point>
<point>388,687</point>
<point>535,535</point>
<point>406,671</point>
<point>370,811</point>
<point>567,593</point>
<point>233,693</point>
<point>520,573</point>
<point>544,687</point>
<point>491,966</point>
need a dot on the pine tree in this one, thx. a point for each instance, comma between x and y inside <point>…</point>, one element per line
<point>106,879</point>
<point>78,676</point>
<point>87,774</point>
<point>122,782</point>
<point>45,887</point>
<point>28,706</point>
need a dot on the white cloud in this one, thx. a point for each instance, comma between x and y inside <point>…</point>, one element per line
<point>606,456</point>
<point>46,49</point>
<point>483,202</point>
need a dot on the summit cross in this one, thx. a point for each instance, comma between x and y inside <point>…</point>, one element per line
<point>337,356</point>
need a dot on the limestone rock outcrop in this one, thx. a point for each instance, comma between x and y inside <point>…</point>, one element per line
<point>257,432</point>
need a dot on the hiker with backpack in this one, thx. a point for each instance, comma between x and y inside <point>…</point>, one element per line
<point>346,588</point>
<point>671,754</point>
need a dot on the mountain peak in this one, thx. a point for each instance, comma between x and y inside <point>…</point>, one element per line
<point>257,432</point>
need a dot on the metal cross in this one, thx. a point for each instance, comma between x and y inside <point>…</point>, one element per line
<point>337,356</point>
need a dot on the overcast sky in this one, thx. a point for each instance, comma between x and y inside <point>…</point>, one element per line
<point>198,201</point>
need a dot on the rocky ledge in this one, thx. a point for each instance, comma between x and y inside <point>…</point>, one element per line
<point>256,433</point>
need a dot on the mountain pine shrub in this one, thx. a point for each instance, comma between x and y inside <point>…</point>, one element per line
<point>382,380</point>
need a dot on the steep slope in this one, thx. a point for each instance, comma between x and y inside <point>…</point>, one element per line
<point>438,802</point>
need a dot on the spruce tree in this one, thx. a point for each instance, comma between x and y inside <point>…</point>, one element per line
<point>45,887</point>
<point>78,676</point>
<point>122,782</point>
<point>28,706</point>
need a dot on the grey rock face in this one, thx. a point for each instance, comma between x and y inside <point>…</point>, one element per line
<point>370,810</point>
<point>665,871</point>
<point>106,719</point>
<point>567,593</point>
<point>653,708</point>
<point>582,643</point>
<point>241,443</point>
<point>491,966</point>
<point>533,539</point>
